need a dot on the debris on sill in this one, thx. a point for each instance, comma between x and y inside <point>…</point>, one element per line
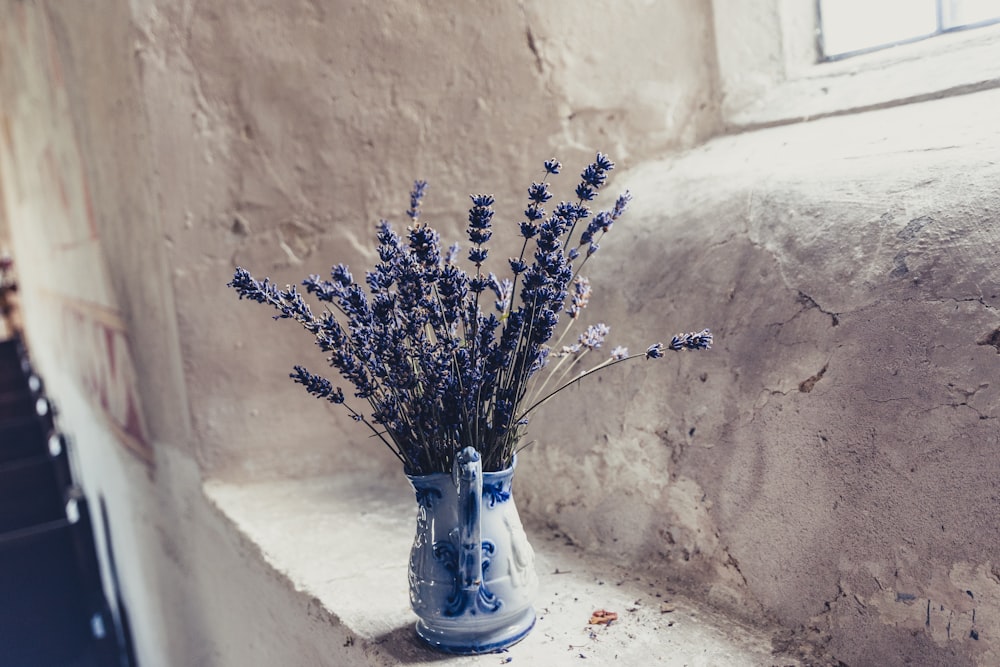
<point>603,617</point>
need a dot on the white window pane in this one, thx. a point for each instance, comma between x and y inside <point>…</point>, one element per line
<point>852,25</point>
<point>964,12</point>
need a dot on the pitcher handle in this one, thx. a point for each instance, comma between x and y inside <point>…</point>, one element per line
<point>467,474</point>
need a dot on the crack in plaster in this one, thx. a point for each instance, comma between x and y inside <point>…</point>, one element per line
<point>730,561</point>
<point>981,300</point>
<point>979,414</point>
<point>533,47</point>
<point>810,302</point>
<point>883,401</point>
<point>968,393</point>
<point>802,297</point>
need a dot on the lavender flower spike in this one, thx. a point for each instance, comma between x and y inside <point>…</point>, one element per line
<point>435,368</point>
<point>594,336</point>
<point>416,195</point>
<point>316,385</point>
<point>702,340</point>
<point>621,204</point>
<point>580,295</point>
<point>480,217</point>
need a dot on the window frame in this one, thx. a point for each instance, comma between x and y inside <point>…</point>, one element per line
<point>770,71</point>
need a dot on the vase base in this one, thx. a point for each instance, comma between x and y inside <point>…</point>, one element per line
<point>471,641</point>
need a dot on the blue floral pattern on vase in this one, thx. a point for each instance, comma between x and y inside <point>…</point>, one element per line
<point>497,492</point>
<point>426,495</point>
<point>472,576</point>
<point>467,600</point>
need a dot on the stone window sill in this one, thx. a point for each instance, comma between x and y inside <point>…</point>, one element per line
<point>343,542</point>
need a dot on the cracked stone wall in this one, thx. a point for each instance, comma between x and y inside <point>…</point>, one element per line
<point>832,463</point>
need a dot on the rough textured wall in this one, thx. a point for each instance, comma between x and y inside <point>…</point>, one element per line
<point>282,131</point>
<point>832,462</point>
<point>145,147</point>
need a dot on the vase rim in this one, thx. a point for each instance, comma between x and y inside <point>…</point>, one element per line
<point>486,473</point>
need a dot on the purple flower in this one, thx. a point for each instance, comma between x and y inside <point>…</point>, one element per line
<point>566,213</point>
<point>541,360</point>
<point>318,386</point>
<point>389,243</point>
<point>528,230</point>
<point>480,217</point>
<point>478,284</point>
<point>504,289</point>
<point>593,177</point>
<point>603,163</point>
<point>701,340</point>
<point>594,336</point>
<point>452,287</point>
<point>417,194</point>
<point>341,275</point>
<point>621,204</point>
<point>580,296</point>
<point>538,193</point>
<point>426,246</point>
<point>438,368</point>
<point>532,213</point>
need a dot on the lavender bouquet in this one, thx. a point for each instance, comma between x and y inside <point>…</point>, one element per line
<point>445,358</point>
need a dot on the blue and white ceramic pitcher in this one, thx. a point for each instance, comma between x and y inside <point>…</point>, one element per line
<point>472,573</point>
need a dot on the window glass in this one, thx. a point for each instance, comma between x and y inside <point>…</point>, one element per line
<point>959,13</point>
<point>848,27</point>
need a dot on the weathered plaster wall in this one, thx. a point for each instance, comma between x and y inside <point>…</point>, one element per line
<point>832,462</point>
<point>146,147</point>
<point>281,132</point>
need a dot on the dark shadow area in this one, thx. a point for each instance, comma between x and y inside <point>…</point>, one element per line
<point>404,646</point>
<point>53,611</point>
